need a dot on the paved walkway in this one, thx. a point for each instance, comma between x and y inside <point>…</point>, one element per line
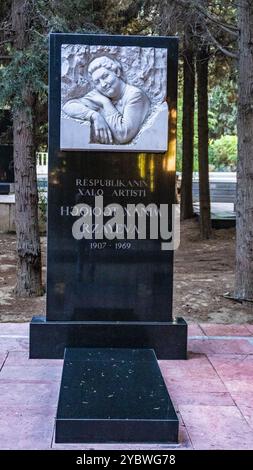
<point>212,391</point>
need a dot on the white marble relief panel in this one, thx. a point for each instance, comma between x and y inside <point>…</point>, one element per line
<point>114,98</point>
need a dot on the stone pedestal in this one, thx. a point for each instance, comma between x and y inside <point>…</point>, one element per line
<point>48,339</point>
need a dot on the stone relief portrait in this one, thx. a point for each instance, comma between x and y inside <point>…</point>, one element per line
<point>114,98</point>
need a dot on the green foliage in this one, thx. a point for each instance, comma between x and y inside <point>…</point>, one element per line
<point>222,128</point>
<point>27,68</point>
<point>42,205</point>
<point>223,125</point>
<point>125,17</point>
<point>65,16</point>
<point>222,109</point>
<point>223,153</point>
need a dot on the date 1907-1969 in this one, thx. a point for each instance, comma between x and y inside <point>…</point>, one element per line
<point>116,246</point>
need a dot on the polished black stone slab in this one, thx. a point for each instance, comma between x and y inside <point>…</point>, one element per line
<point>48,339</point>
<point>114,395</point>
<point>107,283</point>
<point>99,280</point>
<point>114,293</point>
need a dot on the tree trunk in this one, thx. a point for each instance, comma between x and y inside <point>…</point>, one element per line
<point>244,204</point>
<point>204,192</point>
<point>188,131</point>
<point>26,194</point>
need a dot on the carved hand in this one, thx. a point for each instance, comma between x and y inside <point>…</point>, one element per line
<point>102,131</point>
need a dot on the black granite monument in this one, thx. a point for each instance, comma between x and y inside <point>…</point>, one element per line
<point>112,143</point>
<point>109,292</point>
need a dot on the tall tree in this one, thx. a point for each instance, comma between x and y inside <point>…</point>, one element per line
<point>204,191</point>
<point>244,204</point>
<point>23,37</point>
<point>26,194</point>
<point>188,126</point>
<point>208,30</point>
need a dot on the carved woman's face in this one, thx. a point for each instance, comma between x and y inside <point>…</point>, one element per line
<point>107,82</point>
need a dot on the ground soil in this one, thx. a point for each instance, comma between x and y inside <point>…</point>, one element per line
<point>204,273</point>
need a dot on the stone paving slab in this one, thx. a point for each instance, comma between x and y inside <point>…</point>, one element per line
<point>228,345</point>
<point>233,367</point>
<point>194,375</point>
<point>243,398</point>
<point>210,329</point>
<point>8,343</point>
<point>212,392</point>
<point>217,427</point>
<point>3,357</point>
<point>14,329</point>
<point>195,330</point>
<point>22,359</point>
<point>183,397</point>
<point>247,412</point>
<point>30,374</point>
<point>250,328</point>
<point>29,394</point>
<point>25,430</point>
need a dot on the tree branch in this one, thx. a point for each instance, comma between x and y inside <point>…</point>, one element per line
<point>229,28</point>
<point>5,41</point>
<point>226,29</point>
<point>225,51</point>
